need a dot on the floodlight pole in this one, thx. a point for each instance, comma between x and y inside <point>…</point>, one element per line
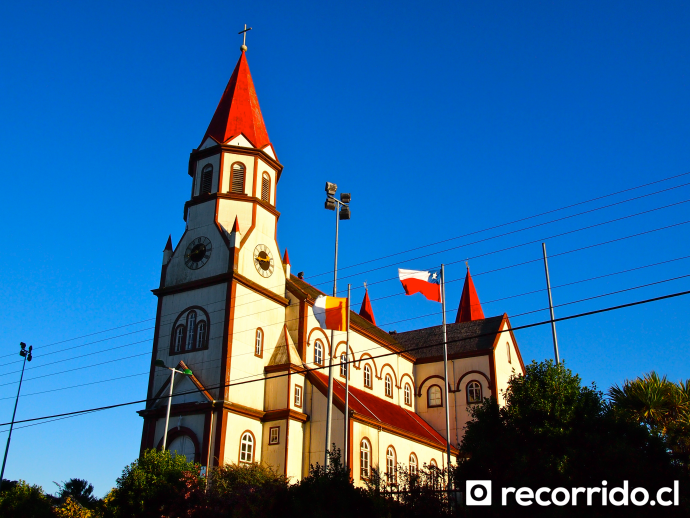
<point>445,375</point>
<point>329,417</point>
<point>347,383</point>
<point>338,206</point>
<point>23,353</point>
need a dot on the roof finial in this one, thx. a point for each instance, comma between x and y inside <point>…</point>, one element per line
<point>243,48</point>
<point>467,263</point>
<point>365,285</point>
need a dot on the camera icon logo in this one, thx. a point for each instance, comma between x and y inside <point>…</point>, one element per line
<point>478,492</point>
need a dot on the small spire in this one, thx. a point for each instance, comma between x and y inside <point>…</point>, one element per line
<point>470,308</point>
<point>168,245</point>
<point>366,311</point>
<point>286,258</point>
<point>235,226</point>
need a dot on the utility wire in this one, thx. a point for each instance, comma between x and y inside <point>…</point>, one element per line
<point>383,355</point>
<point>442,241</point>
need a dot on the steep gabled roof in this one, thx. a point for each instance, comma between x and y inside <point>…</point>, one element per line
<point>463,337</point>
<point>285,352</point>
<point>379,410</point>
<point>238,111</point>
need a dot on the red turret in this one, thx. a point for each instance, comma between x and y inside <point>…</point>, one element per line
<point>286,258</point>
<point>168,245</point>
<point>236,226</point>
<point>238,110</point>
<point>470,307</point>
<point>366,311</point>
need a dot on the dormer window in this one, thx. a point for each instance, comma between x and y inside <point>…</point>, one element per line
<point>237,182</point>
<point>206,179</point>
<point>266,188</point>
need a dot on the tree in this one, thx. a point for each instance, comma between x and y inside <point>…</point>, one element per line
<point>662,406</point>
<point>25,501</point>
<point>554,432</point>
<point>77,489</point>
<point>153,484</point>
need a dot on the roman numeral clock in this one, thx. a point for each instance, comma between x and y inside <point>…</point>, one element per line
<point>263,260</point>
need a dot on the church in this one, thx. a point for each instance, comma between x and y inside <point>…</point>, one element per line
<point>231,311</point>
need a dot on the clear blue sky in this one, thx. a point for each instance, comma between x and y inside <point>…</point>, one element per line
<point>441,118</point>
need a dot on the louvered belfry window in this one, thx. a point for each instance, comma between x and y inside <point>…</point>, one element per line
<point>206,179</point>
<point>266,188</point>
<point>238,178</point>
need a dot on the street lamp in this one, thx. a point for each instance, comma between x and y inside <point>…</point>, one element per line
<point>26,354</point>
<point>186,372</point>
<point>343,212</point>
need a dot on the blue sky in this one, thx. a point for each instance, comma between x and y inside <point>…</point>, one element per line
<point>441,118</point>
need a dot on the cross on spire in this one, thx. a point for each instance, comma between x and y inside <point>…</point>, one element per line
<point>243,48</point>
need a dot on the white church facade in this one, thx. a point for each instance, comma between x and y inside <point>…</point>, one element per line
<point>230,310</point>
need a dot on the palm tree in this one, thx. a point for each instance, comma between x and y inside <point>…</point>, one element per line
<point>661,405</point>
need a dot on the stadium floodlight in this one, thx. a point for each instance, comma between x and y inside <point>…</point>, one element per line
<point>331,188</point>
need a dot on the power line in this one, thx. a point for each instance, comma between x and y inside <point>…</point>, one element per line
<point>76,386</point>
<point>383,355</point>
<point>439,242</point>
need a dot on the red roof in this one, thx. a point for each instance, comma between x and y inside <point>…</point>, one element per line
<point>366,311</point>
<point>235,226</point>
<point>385,412</point>
<point>286,258</point>
<point>238,110</point>
<point>470,307</point>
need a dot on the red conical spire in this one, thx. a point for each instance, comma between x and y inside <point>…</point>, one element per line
<point>286,258</point>
<point>470,307</point>
<point>235,226</point>
<point>365,311</point>
<point>238,110</point>
<point>168,245</point>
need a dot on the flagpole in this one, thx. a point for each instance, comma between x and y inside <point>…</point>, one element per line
<point>445,372</point>
<point>346,416</point>
<point>329,403</point>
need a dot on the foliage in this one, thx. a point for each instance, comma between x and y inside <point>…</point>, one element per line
<point>77,489</point>
<point>153,485</point>
<point>554,432</point>
<point>25,501</point>
<point>661,405</point>
<point>70,508</point>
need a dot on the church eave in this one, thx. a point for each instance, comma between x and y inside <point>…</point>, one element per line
<point>198,154</point>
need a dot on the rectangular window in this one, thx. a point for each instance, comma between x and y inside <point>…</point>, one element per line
<point>298,396</point>
<point>274,435</point>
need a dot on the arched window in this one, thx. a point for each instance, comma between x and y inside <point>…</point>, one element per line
<point>367,376</point>
<point>206,179</point>
<point>433,464</point>
<point>266,188</point>
<point>408,394</point>
<point>259,343</point>
<point>183,445</point>
<point>318,353</point>
<point>413,464</point>
<point>434,396</point>
<point>247,448</point>
<point>508,352</point>
<point>201,334</point>
<point>390,465</point>
<point>474,392</point>
<point>364,458</point>
<point>191,325</point>
<point>389,385</point>
<point>237,182</point>
<point>179,338</point>
<point>343,365</point>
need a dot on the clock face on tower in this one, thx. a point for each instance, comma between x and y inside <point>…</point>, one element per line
<point>263,260</point>
<point>198,253</point>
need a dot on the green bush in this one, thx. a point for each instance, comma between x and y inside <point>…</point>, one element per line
<point>25,501</point>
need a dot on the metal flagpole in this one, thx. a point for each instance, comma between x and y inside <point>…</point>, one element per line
<point>167,415</point>
<point>329,404</point>
<point>346,417</point>
<point>553,323</point>
<point>445,373</point>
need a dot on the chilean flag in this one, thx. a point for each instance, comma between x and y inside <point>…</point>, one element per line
<point>426,283</point>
